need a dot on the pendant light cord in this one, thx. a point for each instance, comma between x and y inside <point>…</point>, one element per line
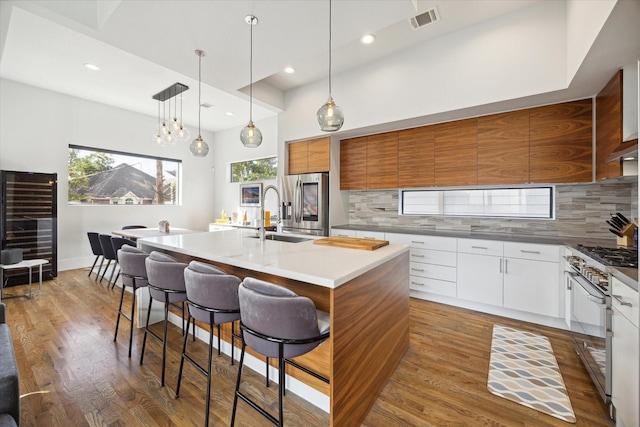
<point>251,69</point>
<point>199,90</point>
<point>329,48</point>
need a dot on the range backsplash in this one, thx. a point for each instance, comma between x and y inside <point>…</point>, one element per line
<point>581,211</point>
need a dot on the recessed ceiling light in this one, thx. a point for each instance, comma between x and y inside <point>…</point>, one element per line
<point>628,158</point>
<point>229,113</point>
<point>91,66</point>
<point>289,70</point>
<point>368,39</point>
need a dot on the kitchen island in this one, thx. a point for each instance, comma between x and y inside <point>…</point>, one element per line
<point>365,292</point>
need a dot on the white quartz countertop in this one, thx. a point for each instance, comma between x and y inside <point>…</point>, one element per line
<point>317,264</point>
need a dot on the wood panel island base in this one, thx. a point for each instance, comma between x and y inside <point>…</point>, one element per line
<point>365,292</point>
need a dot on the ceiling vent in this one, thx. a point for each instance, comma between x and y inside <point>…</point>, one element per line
<point>425,18</point>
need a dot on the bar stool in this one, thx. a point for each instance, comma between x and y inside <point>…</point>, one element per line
<point>96,248</point>
<point>108,253</point>
<point>165,277</point>
<point>134,274</point>
<point>117,243</point>
<point>212,298</point>
<point>276,322</point>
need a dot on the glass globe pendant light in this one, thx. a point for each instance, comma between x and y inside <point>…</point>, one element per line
<point>330,116</point>
<point>158,138</point>
<point>198,147</point>
<point>182,133</point>
<point>251,136</point>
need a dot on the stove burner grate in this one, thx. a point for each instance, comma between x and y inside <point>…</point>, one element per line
<point>614,257</point>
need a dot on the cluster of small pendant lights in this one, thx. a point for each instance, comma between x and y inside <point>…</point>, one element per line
<point>330,116</point>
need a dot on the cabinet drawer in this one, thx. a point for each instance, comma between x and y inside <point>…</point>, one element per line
<point>625,300</point>
<point>431,256</point>
<point>434,286</point>
<point>342,233</point>
<point>432,271</point>
<point>480,247</point>
<point>447,244</point>
<point>532,251</point>
<point>376,235</point>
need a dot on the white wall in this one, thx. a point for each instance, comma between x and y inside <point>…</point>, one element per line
<point>36,129</point>
<point>228,148</point>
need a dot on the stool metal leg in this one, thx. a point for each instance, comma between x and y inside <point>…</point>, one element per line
<point>146,330</point>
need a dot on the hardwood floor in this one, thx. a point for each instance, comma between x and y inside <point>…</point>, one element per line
<point>73,374</point>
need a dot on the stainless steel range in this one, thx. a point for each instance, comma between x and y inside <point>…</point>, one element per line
<point>588,275</point>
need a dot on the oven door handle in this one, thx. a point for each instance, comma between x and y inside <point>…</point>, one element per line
<point>590,296</point>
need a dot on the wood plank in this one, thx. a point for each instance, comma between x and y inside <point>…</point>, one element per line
<point>352,243</point>
<point>503,148</point>
<point>72,373</point>
<point>382,160</point>
<point>353,163</point>
<point>609,128</point>
<point>561,142</point>
<point>369,337</point>
<point>319,154</point>
<point>298,157</point>
<point>456,153</point>
<point>416,159</point>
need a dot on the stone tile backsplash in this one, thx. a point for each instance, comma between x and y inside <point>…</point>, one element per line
<point>581,211</point>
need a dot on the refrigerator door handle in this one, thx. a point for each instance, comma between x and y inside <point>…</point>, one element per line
<point>296,203</point>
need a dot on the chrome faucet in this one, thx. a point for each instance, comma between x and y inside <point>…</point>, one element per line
<point>264,193</point>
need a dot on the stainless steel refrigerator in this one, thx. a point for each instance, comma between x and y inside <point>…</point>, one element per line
<point>305,204</point>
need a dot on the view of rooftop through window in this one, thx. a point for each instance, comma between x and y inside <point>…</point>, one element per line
<point>106,177</point>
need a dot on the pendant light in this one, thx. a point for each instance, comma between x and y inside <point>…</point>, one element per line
<point>330,116</point>
<point>158,137</point>
<point>182,133</point>
<point>198,147</point>
<point>251,136</point>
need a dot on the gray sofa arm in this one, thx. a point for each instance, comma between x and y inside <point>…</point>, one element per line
<point>9,378</point>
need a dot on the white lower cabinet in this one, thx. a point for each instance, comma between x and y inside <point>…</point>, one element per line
<point>432,266</point>
<point>480,278</point>
<point>518,276</point>
<point>625,393</point>
<point>338,232</point>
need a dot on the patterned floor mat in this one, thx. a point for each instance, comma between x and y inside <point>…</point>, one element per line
<point>523,369</point>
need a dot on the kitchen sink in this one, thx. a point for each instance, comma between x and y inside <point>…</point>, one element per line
<point>283,238</point>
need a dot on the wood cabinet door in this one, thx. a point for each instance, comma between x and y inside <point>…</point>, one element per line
<point>503,148</point>
<point>456,153</point>
<point>318,155</point>
<point>609,128</point>
<point>416,157</point>
<point>298,157</point>
<point>560,142</point>
<point>353,163</point>
<point>382,160</point>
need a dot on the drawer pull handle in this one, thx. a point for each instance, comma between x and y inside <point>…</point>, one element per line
<point>417,256</point>
<point>479,247</point>
<point>619,299</point>
<point>529,252</point>
<point>417,241</point>
<point>417,269</point>
<point>417,283</point>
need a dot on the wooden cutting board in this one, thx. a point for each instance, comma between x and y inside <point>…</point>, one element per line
<point>352,243</point>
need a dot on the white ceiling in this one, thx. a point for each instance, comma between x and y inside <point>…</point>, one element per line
<point>144,46</point>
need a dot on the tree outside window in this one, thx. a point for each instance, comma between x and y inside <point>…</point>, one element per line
<point>255,170</point>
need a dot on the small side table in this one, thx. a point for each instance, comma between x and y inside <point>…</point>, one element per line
<point>28,263</point>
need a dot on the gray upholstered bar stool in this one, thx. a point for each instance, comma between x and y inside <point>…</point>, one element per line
<point>276,322</point>
<point>118,242</point>
<point>165,276</point>
<point>212,298</point>
<point>134,275</point>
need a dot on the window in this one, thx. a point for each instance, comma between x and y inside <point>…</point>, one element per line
<point>530,202</point>
<point>106,177</point>
<point>255,170</point>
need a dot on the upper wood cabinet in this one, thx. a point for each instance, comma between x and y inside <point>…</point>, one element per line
<point>560,142</point>
<point>609,128</point>
<point>382,160</point>
<point>353,163</point>
<point>456,153</point>
<point>503,148</point>
<point>416,157</point>
<point>309,156</point>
